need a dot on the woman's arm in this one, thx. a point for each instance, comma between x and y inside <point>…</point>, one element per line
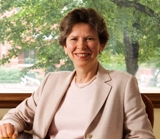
<point>21,118</point>
<point>136,122</point>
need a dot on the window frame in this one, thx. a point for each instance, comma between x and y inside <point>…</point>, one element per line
<point>11,100</point>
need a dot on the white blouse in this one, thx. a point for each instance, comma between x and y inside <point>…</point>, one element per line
<point>70,121</point>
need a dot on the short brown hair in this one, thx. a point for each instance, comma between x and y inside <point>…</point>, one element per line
<point>83,15</point>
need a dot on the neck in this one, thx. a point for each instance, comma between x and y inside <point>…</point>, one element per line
<point>84,76</point>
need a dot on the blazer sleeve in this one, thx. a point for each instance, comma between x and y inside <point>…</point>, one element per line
<point>23,115</point>
<point>136,122</point>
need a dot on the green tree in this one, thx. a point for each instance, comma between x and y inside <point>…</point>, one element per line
<point>34,26</point>
<point>133,26</point>
<point>134,31</point>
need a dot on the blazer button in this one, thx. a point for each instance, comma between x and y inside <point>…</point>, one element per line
<point>88,136</point>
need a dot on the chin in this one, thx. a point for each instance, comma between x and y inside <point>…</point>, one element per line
<point>84,64</point>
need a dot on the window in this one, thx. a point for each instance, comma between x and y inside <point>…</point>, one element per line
<point>3,55</point>
<point>133,46</point>
<point>29,57</point>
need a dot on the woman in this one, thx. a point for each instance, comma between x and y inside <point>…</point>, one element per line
<point>90,102</point>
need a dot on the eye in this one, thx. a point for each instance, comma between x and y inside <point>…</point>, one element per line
<point>73,39</point>
<point>89,38</point>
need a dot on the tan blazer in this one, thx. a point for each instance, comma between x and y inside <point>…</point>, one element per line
<point>118,111</point>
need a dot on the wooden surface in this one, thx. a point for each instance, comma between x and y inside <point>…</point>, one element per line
<point>11,100</point>
<point>155,98</point>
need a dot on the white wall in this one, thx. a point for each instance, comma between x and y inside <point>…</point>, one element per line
<point>2,112</point>
<point>156,123</point>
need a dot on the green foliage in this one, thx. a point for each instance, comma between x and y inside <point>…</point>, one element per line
<point>9,75</point>
<point>112,61</point>
<point>120,16</point>
<point>34,25</point>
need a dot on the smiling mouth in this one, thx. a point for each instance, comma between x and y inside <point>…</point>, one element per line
<point>82,55</point>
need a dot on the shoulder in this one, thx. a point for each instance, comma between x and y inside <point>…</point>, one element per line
<point>123,79</point>
<point>56,76</point>
<point>55,79</point>
<point>59,74</point>
<point>121,76</point>
<point>113,73</point>
<point>118,73</point>
<point>115,76</point>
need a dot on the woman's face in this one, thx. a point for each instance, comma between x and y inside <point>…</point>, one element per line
<point>83,45</point>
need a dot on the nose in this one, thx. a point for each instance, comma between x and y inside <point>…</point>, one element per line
<point>81,44</point>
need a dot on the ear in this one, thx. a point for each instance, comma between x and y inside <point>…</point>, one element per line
<point>102,47</point>
<point>65,50</point>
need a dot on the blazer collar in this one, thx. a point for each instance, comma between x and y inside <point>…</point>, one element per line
<point>103,74</point>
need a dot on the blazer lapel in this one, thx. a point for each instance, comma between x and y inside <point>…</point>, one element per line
<point>102,92</point>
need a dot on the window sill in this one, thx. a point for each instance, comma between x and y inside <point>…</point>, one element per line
<point>11,100</point>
